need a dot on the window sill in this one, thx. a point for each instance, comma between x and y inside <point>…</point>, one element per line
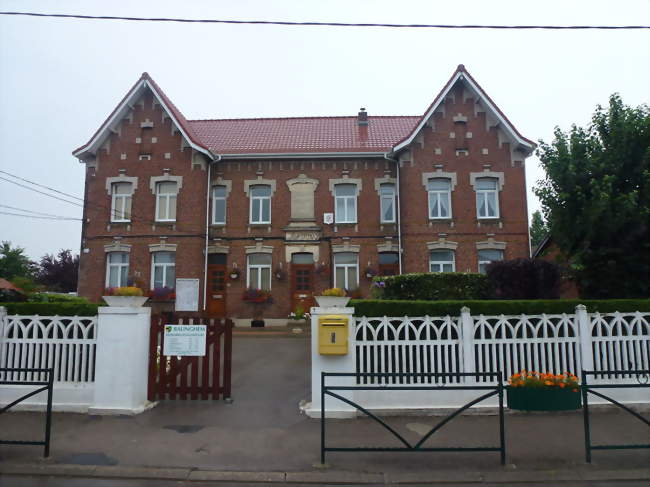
<point>345,223</point>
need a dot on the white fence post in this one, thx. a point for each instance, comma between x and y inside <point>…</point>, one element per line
<point>467,343</point>
<point>3,321</point>
<point>584,334</point>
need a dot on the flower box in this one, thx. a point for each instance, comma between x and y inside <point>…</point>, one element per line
<point>125,301</point>
<point>332,301</point>
<point>543,398</point>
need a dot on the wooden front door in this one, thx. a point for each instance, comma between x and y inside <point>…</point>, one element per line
<point>217,278</point>
<point>302,282</point>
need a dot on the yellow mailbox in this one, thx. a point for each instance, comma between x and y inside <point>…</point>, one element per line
<point>333,335</point>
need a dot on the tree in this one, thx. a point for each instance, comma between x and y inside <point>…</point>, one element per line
<point>14,263</point>
<point>59,273</point>
<point>596,196</point>
<point>538,229</point>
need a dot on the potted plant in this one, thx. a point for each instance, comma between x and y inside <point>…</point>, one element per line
<point>280,274</point>
<point>124,296</point>
<point>370,272</point>
<point>535,391</point>
<point>234,273</point>
<point>298,318</point>
<point>333,297</point>
<point>162,294</point>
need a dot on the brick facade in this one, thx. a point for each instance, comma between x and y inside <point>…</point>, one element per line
<point>459,140</point>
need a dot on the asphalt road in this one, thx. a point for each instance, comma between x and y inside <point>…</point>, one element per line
<point>12,481</point>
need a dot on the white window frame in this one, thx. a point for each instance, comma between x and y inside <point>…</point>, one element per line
<point>119,266</point>
<point>486,262</point>
<point>262,200</point>
<point>167,198</point>
<point>338,218</point>
<point>484,194</point>
<point>119,202</point>
<point>387,198</point>
<point>214,204</point>
<point>441,263</point>
<point>438,194</point>
<point>165,266</point>
<point>346,284</point>
<point>259,268</point>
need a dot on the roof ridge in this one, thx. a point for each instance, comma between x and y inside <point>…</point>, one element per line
<point>312,117</point>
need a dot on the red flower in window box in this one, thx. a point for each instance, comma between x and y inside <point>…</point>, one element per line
<point>259,296</point>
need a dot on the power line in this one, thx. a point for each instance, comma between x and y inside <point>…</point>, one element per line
<point>41,185</point>
<point>34,212</point>
<point>41,192</point>
<point>332,24</point>
<point>41,217</point>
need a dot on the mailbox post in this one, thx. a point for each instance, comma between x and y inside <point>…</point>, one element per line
<point>332,350</point>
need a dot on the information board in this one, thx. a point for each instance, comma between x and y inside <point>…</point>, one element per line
<point>187,294</point>
<point>185,340</point>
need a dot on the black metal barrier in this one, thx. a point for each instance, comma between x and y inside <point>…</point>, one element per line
<point>47,385</point>
<point>589,389</point>
<point>494,390</point>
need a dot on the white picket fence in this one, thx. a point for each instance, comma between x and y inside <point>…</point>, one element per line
<point>554,343</point>
<point>67,344</point>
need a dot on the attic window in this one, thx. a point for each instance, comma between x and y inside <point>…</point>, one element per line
<point>147,124</point>
<point>145,157</point>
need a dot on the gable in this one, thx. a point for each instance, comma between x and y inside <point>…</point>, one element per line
<point>124,110</point>
<point>483,103</point>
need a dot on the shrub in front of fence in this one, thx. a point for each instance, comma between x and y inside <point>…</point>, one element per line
<point>524,279</point>
<point>52,309</point>
<point>438,286</point>
<point>391,307</point>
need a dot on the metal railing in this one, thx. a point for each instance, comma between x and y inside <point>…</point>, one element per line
<point>493,390</point>
<point>46,385</point>
<point>590,389</point>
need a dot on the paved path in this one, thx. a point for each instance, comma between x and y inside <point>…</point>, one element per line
<point>262,431</point>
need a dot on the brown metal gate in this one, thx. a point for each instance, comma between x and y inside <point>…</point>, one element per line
<point>206,377</point>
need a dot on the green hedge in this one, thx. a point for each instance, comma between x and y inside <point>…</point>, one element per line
<point>55,298</point>
<point>381,307</point>
<point>51,309</point>
<point>436,285</point>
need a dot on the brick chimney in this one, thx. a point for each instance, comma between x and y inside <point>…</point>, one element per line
<point>362,117</point>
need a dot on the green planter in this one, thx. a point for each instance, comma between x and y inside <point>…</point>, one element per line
<point>543,399</point>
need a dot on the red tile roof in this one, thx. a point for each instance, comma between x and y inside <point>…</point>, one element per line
<point>4,284</point>
<point>298,135</point>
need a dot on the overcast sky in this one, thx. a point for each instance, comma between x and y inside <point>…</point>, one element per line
<point>59,79</point>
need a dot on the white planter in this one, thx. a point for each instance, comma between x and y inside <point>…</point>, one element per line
<point>332,301</point>
<point>125,301</point>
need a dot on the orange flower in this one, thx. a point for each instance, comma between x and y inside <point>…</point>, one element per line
<point>562,384</point>
<point>574,390</point>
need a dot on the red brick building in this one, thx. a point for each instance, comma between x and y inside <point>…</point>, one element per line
<point>296,205</point>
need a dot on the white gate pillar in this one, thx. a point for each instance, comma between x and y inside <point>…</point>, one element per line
<point>122,360</point>
<point>335,408</point>
<point>467,343</point>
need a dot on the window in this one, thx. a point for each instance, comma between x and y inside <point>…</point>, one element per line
<point>346,270</point>
<point>439,190</point>
<point>259,271</point>
<point>121,202</point>
<point>163,270</point>
<point>345,203</point>
<point>442,261</point>
<point>387,202</point>
<point>166,201</point>
<point>487,198</point>
<point>388,263</point>
<point>260,211</point>
<point>487,256</point>
<point>219,194</point>
<point>117,269</point>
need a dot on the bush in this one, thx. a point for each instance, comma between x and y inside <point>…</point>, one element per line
<point>437,286</point>
<point>524,279</point>
<point>55,298</point>
<point>51,309</point>
<point>377,307</point>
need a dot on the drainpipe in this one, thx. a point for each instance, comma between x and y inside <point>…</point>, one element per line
<point>217,158</point>
<point>398,212</point>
